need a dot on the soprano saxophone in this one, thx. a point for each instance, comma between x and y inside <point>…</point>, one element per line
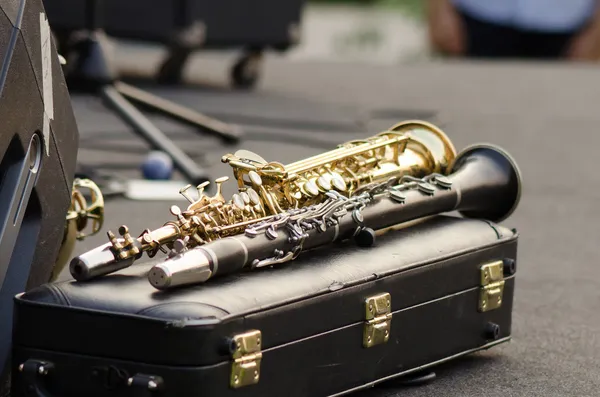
<point>267,189</point>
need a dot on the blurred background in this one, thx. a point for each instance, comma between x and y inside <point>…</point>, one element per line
<point>403,31</point>
<point>301,76</point>
<point>373,31</point>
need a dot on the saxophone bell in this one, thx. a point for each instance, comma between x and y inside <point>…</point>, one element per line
<point>80,216</point>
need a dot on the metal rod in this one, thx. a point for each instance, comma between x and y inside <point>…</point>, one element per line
<point>227,132</point>
<point>155,137</point>
<point>94,15</point>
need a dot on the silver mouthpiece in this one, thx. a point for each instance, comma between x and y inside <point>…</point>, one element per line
<point>189,267</point>
<point>97,262</point>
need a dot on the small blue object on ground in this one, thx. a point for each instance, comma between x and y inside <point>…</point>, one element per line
<point>157,166</point>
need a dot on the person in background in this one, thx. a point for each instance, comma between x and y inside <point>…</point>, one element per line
<point>544,29</point>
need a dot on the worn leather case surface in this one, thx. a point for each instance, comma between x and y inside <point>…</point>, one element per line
<point>333,321</point>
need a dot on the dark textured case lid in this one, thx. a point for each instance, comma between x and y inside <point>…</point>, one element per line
<point>310,295</point>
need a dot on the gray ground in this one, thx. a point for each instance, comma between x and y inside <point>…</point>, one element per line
<point>547,116</point>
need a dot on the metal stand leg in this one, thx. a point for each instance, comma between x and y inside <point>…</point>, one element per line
<point>171,69</point>
<point>94,72</point>
<point>151,134</point>
<point>246,71</point>
<point>226,132</point>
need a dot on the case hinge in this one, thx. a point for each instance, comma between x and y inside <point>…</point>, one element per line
<point>378,318</point>
<point>247,356</point>
<point>492,286</point>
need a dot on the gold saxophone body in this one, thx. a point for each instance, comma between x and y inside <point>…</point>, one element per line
<point>266,189</point>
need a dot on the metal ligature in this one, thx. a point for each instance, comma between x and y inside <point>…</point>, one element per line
<point>484,182</point>
<point>80,216</point>
<point>267,189</point>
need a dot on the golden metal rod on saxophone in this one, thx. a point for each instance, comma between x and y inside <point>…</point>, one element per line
<point>268,189</point>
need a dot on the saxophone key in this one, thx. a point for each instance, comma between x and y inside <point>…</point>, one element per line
<point>255,179</point>
<point>238,202</point>
<point>254,197</point>
<point>183,192</point>
<point>323,183</point>
<point>310,188</point>
<point>338,182</point>
<point>200,189</point>
<point>176,211</point>
<point>245,197</point>
<point>218,197</point>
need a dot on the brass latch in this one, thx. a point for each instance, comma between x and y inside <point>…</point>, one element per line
<point>492,286</point>
<point>378,320</point>
<point>247,356</point>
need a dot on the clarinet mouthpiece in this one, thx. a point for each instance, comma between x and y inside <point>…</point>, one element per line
<point>190,267</point>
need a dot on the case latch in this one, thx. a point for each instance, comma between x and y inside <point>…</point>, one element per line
<point>378,318</point>
<point>247,356</point>
<point>492,286</point>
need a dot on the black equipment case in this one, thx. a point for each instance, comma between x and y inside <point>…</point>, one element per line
<point>38,152</point>
<point>334,321</point>
<point>189,25</point>
<point>224,23</point>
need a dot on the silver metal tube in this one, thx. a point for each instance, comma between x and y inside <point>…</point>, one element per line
<point>192,268</point>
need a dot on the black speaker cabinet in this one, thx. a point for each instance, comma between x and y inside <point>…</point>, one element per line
<point>38,152</point>
<point>188,25</point>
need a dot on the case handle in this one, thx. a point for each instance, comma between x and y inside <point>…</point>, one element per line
<point>145,385</point>
<point>34,372</point>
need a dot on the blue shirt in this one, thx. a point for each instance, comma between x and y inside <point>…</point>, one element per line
<point>536,15</point>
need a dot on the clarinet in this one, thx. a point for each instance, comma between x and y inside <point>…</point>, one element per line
<point>484,182</point>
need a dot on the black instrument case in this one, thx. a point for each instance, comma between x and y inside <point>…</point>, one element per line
<point>333,321</point>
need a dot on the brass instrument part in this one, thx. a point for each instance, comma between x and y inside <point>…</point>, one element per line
<point>80,212</point>
<point>268,189</point>
<point>78,218</point>
<point>412,147</point>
